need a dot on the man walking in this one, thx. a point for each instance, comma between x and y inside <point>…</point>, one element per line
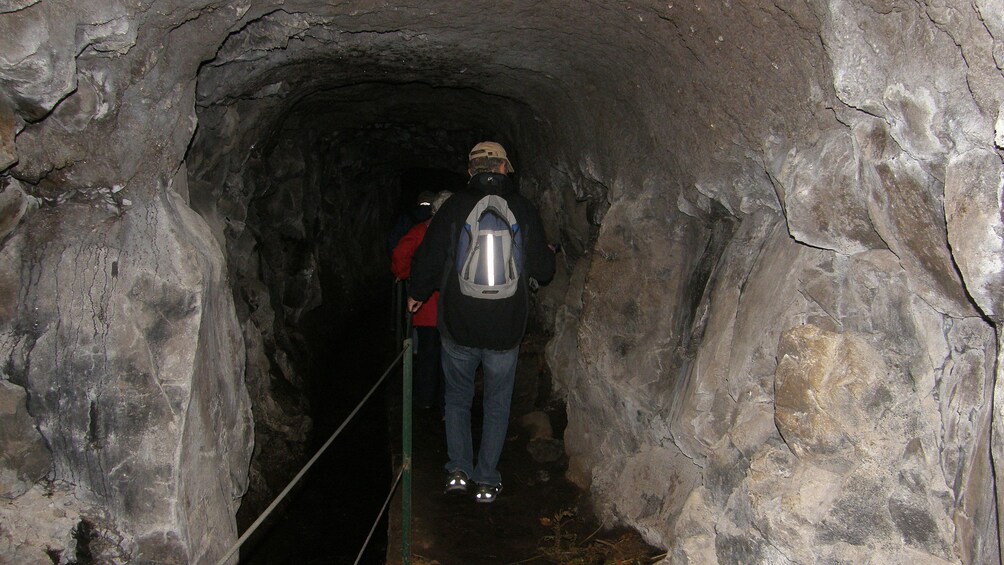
<point>483,246</point>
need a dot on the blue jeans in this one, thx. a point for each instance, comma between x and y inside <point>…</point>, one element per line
<point>459,365</point>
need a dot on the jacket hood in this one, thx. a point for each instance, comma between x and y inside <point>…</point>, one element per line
<point>492,183</point>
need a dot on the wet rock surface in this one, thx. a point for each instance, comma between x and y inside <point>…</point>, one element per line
<point>24,457</point>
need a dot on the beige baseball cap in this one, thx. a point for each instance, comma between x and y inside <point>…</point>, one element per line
<point>491,149</point>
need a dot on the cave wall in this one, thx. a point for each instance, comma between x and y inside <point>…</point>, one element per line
<point>827,396</point>
<point>776,322</point>
<point>132,358</point>
<point>118,319</point>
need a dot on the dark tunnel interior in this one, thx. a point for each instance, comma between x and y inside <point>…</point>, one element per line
<point>307,220</point>
<point>313,182</point>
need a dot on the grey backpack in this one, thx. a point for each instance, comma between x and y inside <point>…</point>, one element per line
<point>490,250</point>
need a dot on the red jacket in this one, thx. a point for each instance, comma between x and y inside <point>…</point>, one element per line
<point>400,265</point>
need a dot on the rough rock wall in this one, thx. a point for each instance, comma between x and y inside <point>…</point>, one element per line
<point>124,335</point>
<point>117,317</point>
<point>227,188</point>
<point>828,396</point>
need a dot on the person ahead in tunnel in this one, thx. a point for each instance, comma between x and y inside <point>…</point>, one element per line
<point>421,212</point>
<point>485,271</point>
<point>429,384</point>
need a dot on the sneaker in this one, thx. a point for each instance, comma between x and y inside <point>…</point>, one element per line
<point>456,483</point>
<point>486,494</point>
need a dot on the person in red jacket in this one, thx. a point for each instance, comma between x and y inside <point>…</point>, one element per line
<point>429,380</point>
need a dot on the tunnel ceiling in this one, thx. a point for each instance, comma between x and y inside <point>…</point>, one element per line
<point>587,81</point>
<point>645,74</point>
<point>485,50</point>
<point>419,67</point>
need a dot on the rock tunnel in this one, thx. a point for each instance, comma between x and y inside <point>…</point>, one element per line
<point>775,323</point>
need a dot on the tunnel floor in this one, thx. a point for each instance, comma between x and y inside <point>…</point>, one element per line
<point>539,517</point>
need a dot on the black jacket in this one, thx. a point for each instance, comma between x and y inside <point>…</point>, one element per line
<point>477,322</point>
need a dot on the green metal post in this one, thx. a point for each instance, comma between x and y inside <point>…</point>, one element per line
<point>398,311</point>
<point>406,458</point>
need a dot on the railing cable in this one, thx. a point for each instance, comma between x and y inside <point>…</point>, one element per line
<point>383,509</point>
<point>247,533</point>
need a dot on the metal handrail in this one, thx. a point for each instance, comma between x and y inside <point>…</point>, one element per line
<point>404,472</point>
<point>406,456</point>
